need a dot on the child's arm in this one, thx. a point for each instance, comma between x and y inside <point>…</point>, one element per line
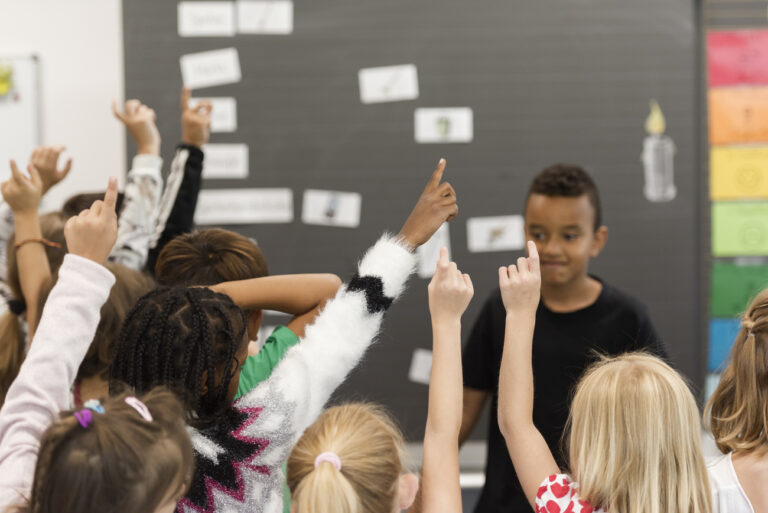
<point>143,187</point>
<point>301,295</point>
<point>67,327</point>
<point>520,291</point>
<point>449,294</point>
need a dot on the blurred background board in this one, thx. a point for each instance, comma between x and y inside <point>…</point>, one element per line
<point>547,82</point>
<point>19,108</point>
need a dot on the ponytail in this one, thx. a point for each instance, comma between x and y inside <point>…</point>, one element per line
<point>326,490</point>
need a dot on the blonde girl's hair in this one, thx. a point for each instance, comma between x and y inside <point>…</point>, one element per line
<point>370,448</point>
<point>635,438</point>
<point>737,412</point>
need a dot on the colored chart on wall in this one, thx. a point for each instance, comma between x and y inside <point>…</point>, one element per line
<point>722,333</point>
<point>740,228</point>
<point>738,172</point>
<point>737,57</point>
<point>734,286</point>
<point>738,115</point>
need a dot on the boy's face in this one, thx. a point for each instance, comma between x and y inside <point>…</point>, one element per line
<point>564,232</point>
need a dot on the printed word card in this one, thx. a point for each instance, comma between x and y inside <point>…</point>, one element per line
<point>498,233</point>
<point>212,68</point>
<point>443,125</point>
<point>388,84</point>
<point>244,206</point>
<point>331,208</point>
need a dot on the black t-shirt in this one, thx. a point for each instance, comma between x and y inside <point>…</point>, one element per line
<point>564,345</point>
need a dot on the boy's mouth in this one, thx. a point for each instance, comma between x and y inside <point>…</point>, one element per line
<point>548,263</point>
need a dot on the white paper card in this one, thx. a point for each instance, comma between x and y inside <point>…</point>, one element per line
<point>212,68</point>
<point>265,16</point>
<point>331,208</point>
<point>206,19</point>
<point>388,84</point>
<point>443,125</point>
<point>223,113</point>
<point>244,206</point>
<point>421,366</point>
<point>225,161</point>
<point>498,233</point>
<point>429,253</point>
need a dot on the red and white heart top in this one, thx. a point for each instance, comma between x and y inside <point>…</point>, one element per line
<point>559,494</point>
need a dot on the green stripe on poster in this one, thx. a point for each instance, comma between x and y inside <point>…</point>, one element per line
<point>739,228</point>
<point>734,286</point>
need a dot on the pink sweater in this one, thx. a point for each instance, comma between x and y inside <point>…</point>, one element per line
<point>41,389</point>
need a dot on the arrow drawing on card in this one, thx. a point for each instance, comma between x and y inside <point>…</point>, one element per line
<point>495,234</point>
<point>391,84</point>
<point>333,207</point>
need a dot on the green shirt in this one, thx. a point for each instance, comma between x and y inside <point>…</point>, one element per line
<point>257,368</point>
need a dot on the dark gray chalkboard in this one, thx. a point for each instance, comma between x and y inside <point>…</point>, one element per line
<point>548,80</point>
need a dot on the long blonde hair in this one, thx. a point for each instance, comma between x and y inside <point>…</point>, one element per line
<point>370,448</point>
<point>737,412</point>
<point>635,439</point>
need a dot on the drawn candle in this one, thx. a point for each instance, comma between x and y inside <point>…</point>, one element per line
<point>658,158</point>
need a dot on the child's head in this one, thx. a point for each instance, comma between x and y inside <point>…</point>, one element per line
<point>635,438</point>
<point>563,217</point>
<point>129,459</point>
<point>79,202</point>
<point>369,448</point>
<point>191,340</point>
<point>737,412</point>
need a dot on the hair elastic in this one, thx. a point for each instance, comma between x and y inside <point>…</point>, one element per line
<point>329,457</point>
<point>17,306</point>
<point>94,405</point>
<point>84,417</point>
<point>140,407</point>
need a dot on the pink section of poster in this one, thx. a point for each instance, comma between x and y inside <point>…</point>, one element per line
<point>737,57</point>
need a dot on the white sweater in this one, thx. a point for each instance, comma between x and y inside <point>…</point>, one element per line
<point>41,390</point>
<point>274,415</point>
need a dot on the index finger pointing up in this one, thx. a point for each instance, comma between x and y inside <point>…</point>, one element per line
<point>185,95</point>
<point>437,175</point>
<point>533,257</point>
<point>110,198</point>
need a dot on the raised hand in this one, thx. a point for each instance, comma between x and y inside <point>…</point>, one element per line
<point>521,285</point>
<point>140,122</point>
<point>46,160</point>
<point>93,233</point>
<point>195,121</point>
<point>436,205</point>
<point>21,192</point>
<point>449,291</point>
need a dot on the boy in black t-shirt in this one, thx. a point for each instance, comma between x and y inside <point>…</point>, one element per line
<point>578,315</point>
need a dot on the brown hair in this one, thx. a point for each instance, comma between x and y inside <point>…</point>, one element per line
<point>567,181</point>
<point>737,412</point>
<point>12,338</point>
<point>370,448</point>
<point>207,257</point>
<point>79,202</point>
<point>120,463</point>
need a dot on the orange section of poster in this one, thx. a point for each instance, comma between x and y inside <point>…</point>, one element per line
<point>738,115</point>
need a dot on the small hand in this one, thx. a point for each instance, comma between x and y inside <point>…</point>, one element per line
<point>92,234</point>
<point>436,205</point>
<point>196,121</point>
<point>46,160</point>
<point>450,291</point>
<point>140,122</point>
<point>521,285</point>
<point>23,193</point>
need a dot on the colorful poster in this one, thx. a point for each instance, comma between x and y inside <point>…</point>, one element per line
<point>738,115</point>
<point>740,228</point>
<point>738,172</point>
<point>737,57</point>
<point>722,333</point>
<point>734,286</point>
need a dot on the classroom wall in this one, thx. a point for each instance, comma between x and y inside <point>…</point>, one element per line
<point>80,46</point>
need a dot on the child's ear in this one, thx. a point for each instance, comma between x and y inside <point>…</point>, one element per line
<point>406,492</point>
<point>598,241</point>
<point>254,323</point>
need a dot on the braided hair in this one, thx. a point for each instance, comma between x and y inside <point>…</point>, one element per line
<point>185,339</point>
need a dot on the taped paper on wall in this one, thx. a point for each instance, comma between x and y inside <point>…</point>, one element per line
<point>429,253</point>
<point>223,113</point>
<point>421,366</point>
<point>244,206</point>
<point>265,16</point>
<point>212,68</point>
<point>388,84</point>
<point>331,208</point>
<point>225,161</point>
<point>443,125</point>
<point>738,115</point>
<point>495,233</point>
<point>734,286</point>
<point>738,172</point>
<point>737,57</point>
<point>206,19</point>
<point>739,228</point>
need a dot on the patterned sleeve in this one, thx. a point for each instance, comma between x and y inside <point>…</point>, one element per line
<point>558,494</point>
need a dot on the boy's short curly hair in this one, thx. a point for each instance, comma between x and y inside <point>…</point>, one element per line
<point>567,181</point>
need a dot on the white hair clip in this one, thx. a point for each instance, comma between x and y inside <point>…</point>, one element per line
<point>140,407</point>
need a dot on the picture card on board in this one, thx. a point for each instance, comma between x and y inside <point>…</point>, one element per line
<point>331,208</point>
<point>429,253</point>
<point>225,161</point>
<point>244,206</point>
<point>223,113</point>
<point>495,233</point>
<point>421,366</point>
<point>206,19</point>
<point>739,228</point>
<point>388,83</point>
<point>443,125</point>
<point>265,16</point>
<point>211,68</point>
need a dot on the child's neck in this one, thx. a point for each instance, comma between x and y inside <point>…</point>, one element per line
<point>93,388</point>
<point>572,296</point>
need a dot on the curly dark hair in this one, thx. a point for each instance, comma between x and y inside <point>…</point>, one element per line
<point>567,181</point>
<point>184,339</point>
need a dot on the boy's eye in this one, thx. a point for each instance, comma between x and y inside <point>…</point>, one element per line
<point>571,236</point>
<point>537,236</point>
